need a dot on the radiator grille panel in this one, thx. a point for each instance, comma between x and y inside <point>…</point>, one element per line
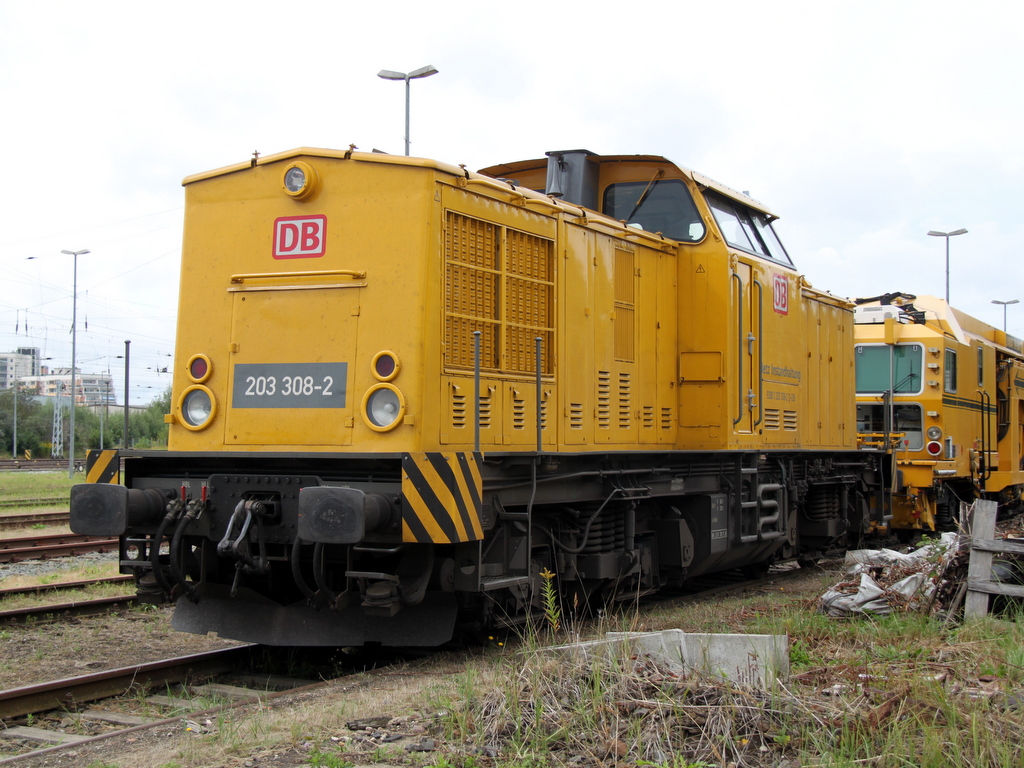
<point>499,281</point>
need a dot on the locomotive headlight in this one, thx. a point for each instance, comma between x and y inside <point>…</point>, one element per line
<point>300,180</point>
<point>934,433</point>
<point>383,407</point>
<point>294,180</point>
<point>197,406</point>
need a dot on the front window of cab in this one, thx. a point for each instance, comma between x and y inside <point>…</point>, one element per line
<point>903,419</point>
<point>662,205</point>
<point>883,368</point>
<point>747,229</point>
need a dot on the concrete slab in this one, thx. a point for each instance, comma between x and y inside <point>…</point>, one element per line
<point>757,660</point>
<point>117,718</point>
<point>41,735</point>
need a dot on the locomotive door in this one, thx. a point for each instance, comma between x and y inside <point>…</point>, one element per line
<point>748,304</point>
<point>292,346</point>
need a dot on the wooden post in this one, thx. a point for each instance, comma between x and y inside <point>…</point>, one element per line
<point>983,526</point>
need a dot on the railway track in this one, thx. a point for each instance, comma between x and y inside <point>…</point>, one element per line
<point>73,691</point>
<point>37,502</point>
<point>22,548</point>
<point>187,674</point>
<point>28,519</point>
<point>38,589</point>
<point>59,611</point>
<point>38,465</point>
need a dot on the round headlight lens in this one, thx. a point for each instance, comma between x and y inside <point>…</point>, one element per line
<point>383,407</point>
<point>300,180</point>
<point>934,433</point>
<point>197,407</point>
<point>294,179</point>
<point>934,448</point>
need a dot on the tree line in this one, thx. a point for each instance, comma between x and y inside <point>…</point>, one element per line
<point>146,428</point>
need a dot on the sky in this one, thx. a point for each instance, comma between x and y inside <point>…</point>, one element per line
<point>862,125</point>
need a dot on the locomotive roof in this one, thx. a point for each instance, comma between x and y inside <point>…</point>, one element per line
<point>339,154</point>
<point>495,171</point>
<point>521,166</point>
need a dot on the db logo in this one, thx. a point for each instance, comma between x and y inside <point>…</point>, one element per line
<point>300,237</point>
<point>781,294</point>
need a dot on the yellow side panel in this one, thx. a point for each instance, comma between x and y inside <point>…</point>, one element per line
<point>665,324</point>
<point>578,314</point>
<point>460,403</point>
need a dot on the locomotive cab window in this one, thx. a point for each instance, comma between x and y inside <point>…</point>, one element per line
<point>747,229</point>
<point>905,419</point>
<point>883,368</point>
<point>950,372</point>
<point>981,367</point>
<point>663,205</point>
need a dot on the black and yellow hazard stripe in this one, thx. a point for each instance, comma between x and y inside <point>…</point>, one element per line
<point>103,467</point>
<point>441,495</point>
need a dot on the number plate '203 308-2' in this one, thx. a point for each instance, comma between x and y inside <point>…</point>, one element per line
<point>289,385</point>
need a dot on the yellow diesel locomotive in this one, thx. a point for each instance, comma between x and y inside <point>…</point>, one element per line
<point>403,390</point>
<point>940,393</point>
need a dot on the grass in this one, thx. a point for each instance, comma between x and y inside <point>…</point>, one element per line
<point>25,485</point>
<point>901,690</point>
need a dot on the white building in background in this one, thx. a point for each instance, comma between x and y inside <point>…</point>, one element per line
<point>90,388</point>
<point>36,379</point>
<point>18,365</point>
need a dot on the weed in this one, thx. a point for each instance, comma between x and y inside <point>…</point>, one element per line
<point>318,759</point>
<point>549,596</point>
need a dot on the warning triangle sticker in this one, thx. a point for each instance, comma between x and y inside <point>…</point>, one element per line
<point>700,269</point>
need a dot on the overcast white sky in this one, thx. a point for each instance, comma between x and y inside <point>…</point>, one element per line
<point>861,124</point>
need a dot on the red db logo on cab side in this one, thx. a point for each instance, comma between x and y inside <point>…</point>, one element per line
<point>781,294</point>
<point>300,237</point>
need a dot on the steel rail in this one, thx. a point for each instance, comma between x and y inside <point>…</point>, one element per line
<point>57,611</point>
<point>38,588</point>
<point>56,545</point>
<point>34,518</point>
<point>42,501</point>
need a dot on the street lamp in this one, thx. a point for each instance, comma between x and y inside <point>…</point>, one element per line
<point>947,235</point>
<point>388,74</point>
<point>74,317</point>
<point>1005,305</point>
<point>14,440</point>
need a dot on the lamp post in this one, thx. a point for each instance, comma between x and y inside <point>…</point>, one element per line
<point>14,440</point>
<point>947,235</point>
<point>1005,305</point>
<point>74,318</point>
<point>388,74</point>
